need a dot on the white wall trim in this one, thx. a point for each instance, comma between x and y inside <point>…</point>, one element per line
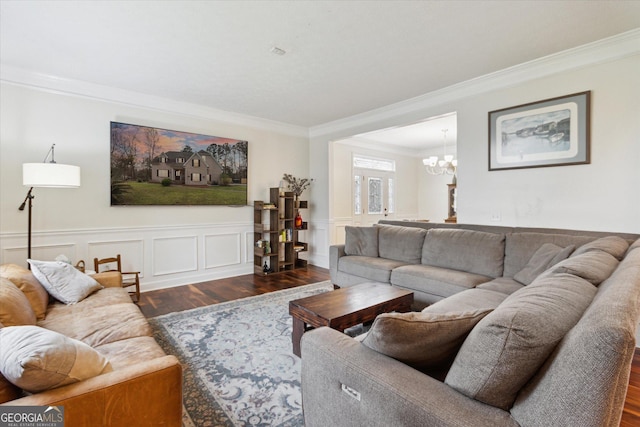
<point>70,87</point>
<point>605,50</point>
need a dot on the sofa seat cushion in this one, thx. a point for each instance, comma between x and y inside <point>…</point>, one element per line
<point>509,345</point>
<point>401,243</point>
<point>29,285</point>
<point>36,359</point>
<point>504,285</point>
<point>431,338</point>
<point>98,326</point>
<point>376,269</point>
<point>472,251</point>
<point>361,241</point>
<point>442,282</point>
<point>131,351</point>
<point>546,256</point>
<point>15,309</point>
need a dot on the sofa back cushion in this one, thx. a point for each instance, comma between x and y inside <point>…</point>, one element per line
<point>509,345</point>
<point>15,309</point>
<point>475,252</point>
<point>401,243</point>
<point>593,266</point>
<point>613,245</point>
<point>29,285</point>
<point>584,381</point>
<point>361,241</point>
<point>520,247</point>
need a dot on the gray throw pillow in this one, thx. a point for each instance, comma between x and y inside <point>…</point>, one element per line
<point>506,348</point>
<point>593,266</point>
<point>546,256</point>
<point>432,337</point>
<point>361,241</point>
<point>63,281</point>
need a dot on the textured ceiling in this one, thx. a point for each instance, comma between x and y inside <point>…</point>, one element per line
<point>342,57</point>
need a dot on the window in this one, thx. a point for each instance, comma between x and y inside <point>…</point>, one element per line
<point>163,173</point>
<point>195,177</point>
<point>180,160</point>
<point>372,163</point>
<point>163,160</point>
<point>196,163</point>
<point>374,205</point>
<point>390,196</point>
<point>357,195</point>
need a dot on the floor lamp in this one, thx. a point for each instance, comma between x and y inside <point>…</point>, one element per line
<point>46,174</point>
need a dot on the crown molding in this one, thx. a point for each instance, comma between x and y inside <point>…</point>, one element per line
<point>82,89</point>
<point>601,51</point>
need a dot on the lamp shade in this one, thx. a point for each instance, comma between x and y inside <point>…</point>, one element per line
<point>50,175</point>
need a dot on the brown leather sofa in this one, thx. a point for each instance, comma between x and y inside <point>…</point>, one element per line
<point>144,387</point>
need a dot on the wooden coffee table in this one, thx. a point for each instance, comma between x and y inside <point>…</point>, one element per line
<point>345,307</point>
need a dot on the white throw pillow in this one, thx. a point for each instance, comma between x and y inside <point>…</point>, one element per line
<point>37,359</point>
<point>63,281</point>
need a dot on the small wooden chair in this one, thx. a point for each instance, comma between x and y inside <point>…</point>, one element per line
<point>129,278</point>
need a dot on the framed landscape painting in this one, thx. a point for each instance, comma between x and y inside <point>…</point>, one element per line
<point>553,132</point>
<point>153,166</point>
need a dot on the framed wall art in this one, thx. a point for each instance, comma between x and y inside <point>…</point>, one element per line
<point>154,166</point>
<point>552,132</point>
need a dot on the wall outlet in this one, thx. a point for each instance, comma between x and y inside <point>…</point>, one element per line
<point>496,217</point>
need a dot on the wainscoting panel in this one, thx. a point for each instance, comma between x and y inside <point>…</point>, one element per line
<point>131,253</point>
<point>222,250</point>
<point>172,255</point>
<point>18,254</point>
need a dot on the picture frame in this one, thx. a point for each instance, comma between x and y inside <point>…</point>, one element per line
<point>551,132</point>
<point>156,166</point>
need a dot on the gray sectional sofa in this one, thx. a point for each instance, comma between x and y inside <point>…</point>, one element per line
<point>520,327</point>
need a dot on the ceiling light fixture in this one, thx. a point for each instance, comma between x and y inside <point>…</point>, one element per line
<point>276,50</point>
<point>438,167</point>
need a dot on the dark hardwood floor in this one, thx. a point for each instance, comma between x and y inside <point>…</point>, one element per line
<point>180,298</point>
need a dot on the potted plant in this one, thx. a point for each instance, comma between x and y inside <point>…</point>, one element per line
<point>296,185</point>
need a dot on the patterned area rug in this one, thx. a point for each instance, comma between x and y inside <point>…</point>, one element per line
<point>239,368</point>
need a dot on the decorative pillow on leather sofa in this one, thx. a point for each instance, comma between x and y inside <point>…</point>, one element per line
<point>63,281</point>
<point>593,266</point>
<point>432,337</point>
<point>361,241</point>
<point>472,251</point>
<point>29,285</point>
<point>15,309</point>
<point>614,245</point>
<point>508,346</point>
<point>546,256</point>
<point>37,359</point>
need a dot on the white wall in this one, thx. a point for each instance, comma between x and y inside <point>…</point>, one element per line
<point>170,245</point>
<point>603,195</point>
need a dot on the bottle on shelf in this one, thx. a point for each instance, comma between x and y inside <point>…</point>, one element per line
<point>298,220</point>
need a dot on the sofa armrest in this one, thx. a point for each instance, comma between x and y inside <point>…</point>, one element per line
<point>335,253</point>
<point>363,387</point>
<point>109,279</point>
<point>144,394</point>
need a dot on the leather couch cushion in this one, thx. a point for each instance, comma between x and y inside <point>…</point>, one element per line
<point>29,285</point>
<point>432,337</point>
<point>465,250</point>
<point>401,243</point>
<point>36,359</point>
<point>509,345</point>
<point>15,309</point>
<point>546,256</point>
<point>361,241</point>
<point>131,351</point>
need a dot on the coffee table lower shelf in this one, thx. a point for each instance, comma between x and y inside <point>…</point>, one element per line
<point>346,307</point>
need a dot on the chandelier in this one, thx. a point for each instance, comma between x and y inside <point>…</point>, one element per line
<point>439,167</point>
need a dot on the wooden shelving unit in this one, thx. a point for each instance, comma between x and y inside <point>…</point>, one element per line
<point>276,239</point>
